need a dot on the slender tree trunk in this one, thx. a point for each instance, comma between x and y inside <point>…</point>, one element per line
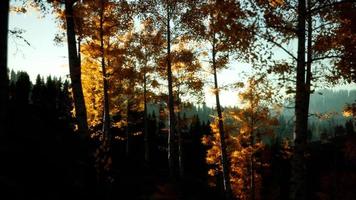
<point>298,179</point>
<point>145,122</point>
<point>106,117</point>
<point>107,186</point>
<point>224,158</point>
<point>309,56</point>
<point>4,79</point>
<point>171,133</point>
<point>76,84</point>
<point>79,50</point>
<point>180,141</point>
<point>75,72</point>
<point>128,116</point>
<point>252,162</point>
<point>127,131</point>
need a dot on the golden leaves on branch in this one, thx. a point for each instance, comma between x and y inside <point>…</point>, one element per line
<point>276,3</point>
<point>18,9</point>
<point>349,110</point>
<point>244,127</point>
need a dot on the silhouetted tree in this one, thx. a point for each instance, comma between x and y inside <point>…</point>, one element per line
<point>349,127</point>
<point>22,89</point>
<point>65,103</point>
<point>4,27</point>
<point>37,91</point>
<point>75,70</point>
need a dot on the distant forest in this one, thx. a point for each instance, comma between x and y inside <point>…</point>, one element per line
<point>326,107</point>
<point>46,106</point>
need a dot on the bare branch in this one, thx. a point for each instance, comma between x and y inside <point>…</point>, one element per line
<point>325,57</point>
<point>330,5</point>
<point>278,45</point>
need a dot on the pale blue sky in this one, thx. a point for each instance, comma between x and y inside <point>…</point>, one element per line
<point>45,58</point>
<point>42,57</point>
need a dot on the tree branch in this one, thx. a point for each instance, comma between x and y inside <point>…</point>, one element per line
<point>325,57</point>
<point>323,25</point>
<point>278,45</point>
<point>330,5</point>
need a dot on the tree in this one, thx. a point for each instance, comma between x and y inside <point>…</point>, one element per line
<point>317,50</point>
<point>4,80</point>
<point>256,122</point>
<point>188,83</point>
<point>148,47</point>
<point>334,38</point>
<point>105,41</point>
<point>223,24</point>
<point>68,22</point>
<point>75,70</point>
<point>246,126</point>
<point>107,46</point>
<point>129,90</point>
<point>106,118</point>
<point>166,14</point>
<point>349,127</point>
<point>22,89</point>
<point>172,119</point>
<point>307,25</point>
<point>37,91</point>
<point>301,112</point>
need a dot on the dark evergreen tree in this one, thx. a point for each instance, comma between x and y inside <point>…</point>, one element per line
<point>349,127</point>
<point>197,150</point>
<point>65,105</point>
<point>22,89</point>
<point>37,95</point>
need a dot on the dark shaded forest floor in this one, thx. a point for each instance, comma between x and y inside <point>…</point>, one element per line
<point>31,172</point>
<point>139,181</point>
<point>39,159</point>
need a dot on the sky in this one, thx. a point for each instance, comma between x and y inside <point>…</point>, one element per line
<point>45,58</point>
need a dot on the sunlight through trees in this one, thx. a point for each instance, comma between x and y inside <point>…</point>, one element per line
<point>133,107</point>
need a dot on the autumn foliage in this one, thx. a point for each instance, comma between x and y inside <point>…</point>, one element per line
<point>130,58</point>
<point>245,127</point>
